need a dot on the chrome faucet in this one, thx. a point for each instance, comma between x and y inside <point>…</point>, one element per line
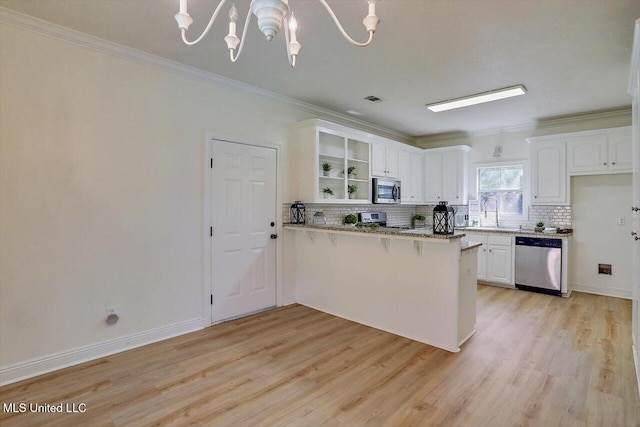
<point>485,208</point>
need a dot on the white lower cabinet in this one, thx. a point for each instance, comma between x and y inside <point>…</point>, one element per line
<point>499,264</point>
<point>495,258</point>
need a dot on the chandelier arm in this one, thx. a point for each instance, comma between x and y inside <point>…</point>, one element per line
<point>244,33</point>
<point>286,39</point>
<point>206,30</point>
<point>344,33</point>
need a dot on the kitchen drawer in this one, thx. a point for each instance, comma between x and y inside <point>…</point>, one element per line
<point>500,240</point>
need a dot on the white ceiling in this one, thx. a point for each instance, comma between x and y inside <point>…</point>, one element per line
<point>573,56</point>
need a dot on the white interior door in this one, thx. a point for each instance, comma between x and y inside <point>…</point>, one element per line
<point>243,219</point>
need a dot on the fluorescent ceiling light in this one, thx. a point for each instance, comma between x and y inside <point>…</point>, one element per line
<point>478,98</point>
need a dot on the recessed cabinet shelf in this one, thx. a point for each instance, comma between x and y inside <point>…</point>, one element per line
<point>345,149</point>
<point>358,161</point>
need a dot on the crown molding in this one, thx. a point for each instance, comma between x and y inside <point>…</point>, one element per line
<point>77,38</point>
<point>540,126</point>
<point>569,119</point>
<point>585,117</point>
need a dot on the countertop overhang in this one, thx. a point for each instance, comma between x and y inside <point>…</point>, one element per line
<point>412,234</point>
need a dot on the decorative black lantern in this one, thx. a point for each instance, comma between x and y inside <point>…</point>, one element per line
<point>296,213</point>
<point>443,219</point>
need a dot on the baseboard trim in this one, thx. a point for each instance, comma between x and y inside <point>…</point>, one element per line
<point>607,292</point>
<point>53,362</point>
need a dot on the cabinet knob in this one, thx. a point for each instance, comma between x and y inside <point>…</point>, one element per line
<point>535,197</point>
<point>633,233</point>
<point>605,163</point>
<point>613,163</point>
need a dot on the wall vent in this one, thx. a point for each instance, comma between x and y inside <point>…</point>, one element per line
<point>373,98</point>
<point>604,269</point>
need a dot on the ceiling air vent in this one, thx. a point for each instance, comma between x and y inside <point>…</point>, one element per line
<point>373,98</point>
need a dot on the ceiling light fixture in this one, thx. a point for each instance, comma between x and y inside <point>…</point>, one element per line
<point>271,15</point>
<point>479,98</point>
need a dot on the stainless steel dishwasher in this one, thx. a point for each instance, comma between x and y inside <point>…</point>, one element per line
<point>539,265</point>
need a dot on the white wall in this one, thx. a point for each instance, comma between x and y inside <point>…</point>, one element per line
<point>598,202</point>
<point>101,190</point>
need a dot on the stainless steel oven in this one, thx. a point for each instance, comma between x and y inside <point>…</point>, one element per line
<point>386,191</point>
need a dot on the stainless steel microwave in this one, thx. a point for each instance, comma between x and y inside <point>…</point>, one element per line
<point>386,191</point>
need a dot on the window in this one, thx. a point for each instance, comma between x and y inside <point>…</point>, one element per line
<point>501,187</point>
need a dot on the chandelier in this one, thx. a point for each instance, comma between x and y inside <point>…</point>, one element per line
<point>272,15</point>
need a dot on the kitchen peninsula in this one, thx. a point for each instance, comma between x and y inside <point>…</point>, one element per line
<point>411,283</point>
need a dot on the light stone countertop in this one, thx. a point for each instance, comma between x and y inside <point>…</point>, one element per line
<point>422,233</point>
<point>513,232</point>
<point>465,246</point>
<point>428,232</point>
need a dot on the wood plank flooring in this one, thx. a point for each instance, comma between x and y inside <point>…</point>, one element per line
<point>536,360</point>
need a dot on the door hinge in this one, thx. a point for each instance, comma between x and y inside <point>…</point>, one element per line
<point>212,163</point>
<point>211,299</point>
<point>210,231</point>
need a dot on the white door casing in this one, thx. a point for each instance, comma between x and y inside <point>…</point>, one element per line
<point>243,207</point>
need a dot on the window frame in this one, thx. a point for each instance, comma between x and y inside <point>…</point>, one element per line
<point>525,186</point>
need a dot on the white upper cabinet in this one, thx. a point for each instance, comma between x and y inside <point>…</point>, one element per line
<point>556,157</point>
<point>410,175</point>
<point>347,154</point>
<point>417,193</point>
<point>432,176</point>
<point>549,173</point>
<point>384,159</point>
<point>621,152</point>
<point>588,154</point>
<point>603,151</point>
<point>445,175</point>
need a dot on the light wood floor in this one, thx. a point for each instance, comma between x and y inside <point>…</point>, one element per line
<point>536,360</point>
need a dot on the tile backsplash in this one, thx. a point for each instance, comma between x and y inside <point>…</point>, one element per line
<point>401,214</point>
<point>396,214</point>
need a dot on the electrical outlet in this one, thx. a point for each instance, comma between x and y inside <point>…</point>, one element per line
<point>111,310</point>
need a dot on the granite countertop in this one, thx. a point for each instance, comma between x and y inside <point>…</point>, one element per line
<point>513,232</point>
<point>465,246</point>
<point>420,232</point>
